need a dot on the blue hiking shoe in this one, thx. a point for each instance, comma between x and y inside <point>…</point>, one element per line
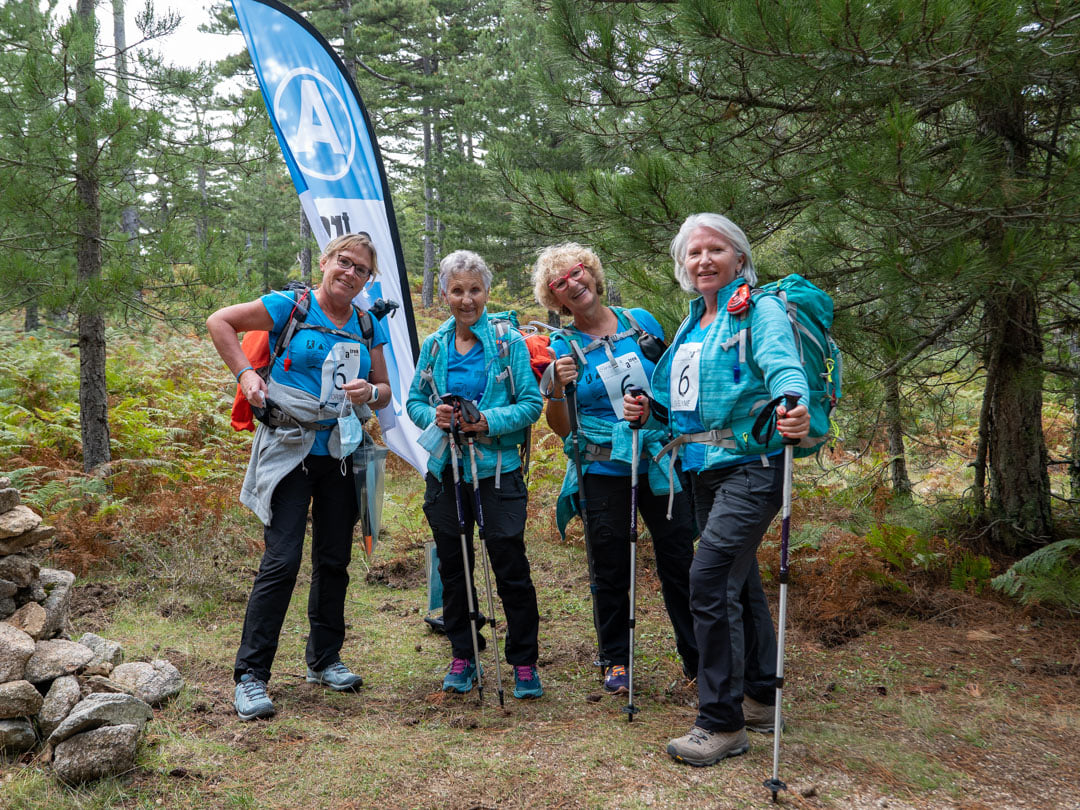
<point>527,683</point>
<point>616,681</point>
<point>337,676</point>
<point>461,677</point>
<point>250,698</point>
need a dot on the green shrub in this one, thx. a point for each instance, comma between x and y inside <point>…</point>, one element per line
<point>1049,576</point>
<point>971,571</point>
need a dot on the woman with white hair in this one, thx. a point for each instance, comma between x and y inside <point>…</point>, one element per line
<point>493,398</point>
<point>710,387</point>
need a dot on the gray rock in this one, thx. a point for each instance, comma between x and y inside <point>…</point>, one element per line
<point>96,754</point>
<point>18,521</point>
<point>19,569</point>
<point>16,736</point>
<point>107,654</point>
<point>7,608</point>
<point>19,699</point>
<point>60,700</point>
<point>100,709</point>
<point>99,683</point>
<point>27,540</point>
<point>31,619</point>
<point>8,588</point>
<point>155,682</point>
<point>57,585</point>
<point>9,498</point>
<point>16,649</point>
<point>5,482</point>
<point>55,657</point>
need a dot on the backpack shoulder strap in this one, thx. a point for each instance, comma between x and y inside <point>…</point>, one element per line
<point>502,346</point>
<point>298,315</point>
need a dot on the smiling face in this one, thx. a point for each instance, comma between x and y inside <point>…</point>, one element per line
<point>466,296</point>
<point>346,272</point>
<point>574,288</point>
<point>711,261</point>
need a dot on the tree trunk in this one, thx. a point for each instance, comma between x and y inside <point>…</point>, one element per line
<point>894,426</point>
<point>305,248</point>
<point>614,297</point>
<point>31,322</point>
<point>93,395</point>
<point>129,215</point>
<point>427,294</point>
<point>1018,459</point>
<point>1074,447</point>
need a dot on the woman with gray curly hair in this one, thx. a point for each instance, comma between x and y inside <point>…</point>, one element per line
<point>493,399</point>
<point>603,351</point>
<point>707,387</point>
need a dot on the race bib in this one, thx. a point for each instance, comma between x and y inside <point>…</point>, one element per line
<point>685,377</point>
<point>341,365</point>
<point>620,374</point>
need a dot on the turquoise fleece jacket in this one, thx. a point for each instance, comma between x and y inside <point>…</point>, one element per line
<point>774,367</point>
<point>507,420</point>
<point>619,437</point>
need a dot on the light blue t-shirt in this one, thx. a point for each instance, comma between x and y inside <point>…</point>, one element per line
<point>465,373</point>
<point>317,362</point>
<point>599,381</point>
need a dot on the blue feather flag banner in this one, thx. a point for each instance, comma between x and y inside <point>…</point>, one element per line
<point>330,149</point>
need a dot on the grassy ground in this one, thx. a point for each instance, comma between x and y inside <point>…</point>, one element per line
<point>901,692</point>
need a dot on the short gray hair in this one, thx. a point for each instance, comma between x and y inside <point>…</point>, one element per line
<point>723,226</point>
<point>463,261</point>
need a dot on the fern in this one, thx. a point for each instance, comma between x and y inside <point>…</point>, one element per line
<point>1049,576</point>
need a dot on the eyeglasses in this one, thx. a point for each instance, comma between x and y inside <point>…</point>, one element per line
<point>345,263</point>
<point>575,273</point>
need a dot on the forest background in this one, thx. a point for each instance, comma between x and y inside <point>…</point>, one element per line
<point>917,160</point>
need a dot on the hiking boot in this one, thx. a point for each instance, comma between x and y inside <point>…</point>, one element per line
<point>759,717</point>
<point>250,698</point>
<point>527,683</point>
<point>461,677</point>
<point>700,747</point>
<point>337,676</point>
<point>616,681</point>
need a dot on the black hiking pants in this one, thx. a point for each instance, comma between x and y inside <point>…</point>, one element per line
<point>735,635</point>
<point>504,525</point>
<point>332,498</point>
<point>607,499</point>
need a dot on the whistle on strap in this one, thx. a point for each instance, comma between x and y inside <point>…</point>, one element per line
<point>739,303</point>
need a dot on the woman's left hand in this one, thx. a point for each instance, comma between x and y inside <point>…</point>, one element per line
<point>358,391</point>
<point>793,424</point>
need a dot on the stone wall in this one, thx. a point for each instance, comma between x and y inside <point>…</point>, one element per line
<point>75,699</point>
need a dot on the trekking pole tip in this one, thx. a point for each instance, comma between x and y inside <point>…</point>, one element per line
<point>774,785</point>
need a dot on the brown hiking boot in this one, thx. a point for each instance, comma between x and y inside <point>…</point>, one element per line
<point>700,747</point>
<point>759,717</point>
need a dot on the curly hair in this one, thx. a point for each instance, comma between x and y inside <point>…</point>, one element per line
<point>552,262</point>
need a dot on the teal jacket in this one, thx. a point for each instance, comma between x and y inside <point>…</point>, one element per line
<point>508,417</point>
<point>619,437</point>
<point>772,367</point>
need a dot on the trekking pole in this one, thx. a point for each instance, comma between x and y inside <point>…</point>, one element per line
<point>473,616</point>
<point>635,457</point>
<point>487,569</point>
<point>774,784</point>
<point>575,440</point>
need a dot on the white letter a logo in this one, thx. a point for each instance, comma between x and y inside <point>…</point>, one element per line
<point>315,125</point>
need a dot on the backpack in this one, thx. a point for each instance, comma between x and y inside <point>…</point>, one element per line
<point>256,347</point>
<point>810,311</point>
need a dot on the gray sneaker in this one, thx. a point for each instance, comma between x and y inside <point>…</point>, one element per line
<point>250,698</point>
<point>337,676</point>
<point>760,717</point>
<point>700,747</point>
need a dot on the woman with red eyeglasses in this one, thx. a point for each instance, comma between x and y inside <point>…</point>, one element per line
<point>604,352</point>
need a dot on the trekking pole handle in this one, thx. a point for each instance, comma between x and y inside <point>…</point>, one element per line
<point>570,392</point>
<point>636,393</point>
<point>791,399</point>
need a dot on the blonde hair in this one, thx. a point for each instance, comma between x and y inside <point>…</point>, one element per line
<point>552,262</point>
<point>349,241</point>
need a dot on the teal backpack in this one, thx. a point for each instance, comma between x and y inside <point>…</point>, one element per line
<point>810,310</point>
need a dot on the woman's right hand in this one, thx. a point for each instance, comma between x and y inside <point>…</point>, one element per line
<point>566,373</point>
<point>635,409</point>
<point>444,415</point>
<point>253,388</point>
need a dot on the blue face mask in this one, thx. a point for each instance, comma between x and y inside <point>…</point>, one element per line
<point>350,431</point>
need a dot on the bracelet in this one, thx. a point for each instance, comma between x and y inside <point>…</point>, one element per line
<point>374,394</point>
<point>557,399</point>
<point>240,373</point>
